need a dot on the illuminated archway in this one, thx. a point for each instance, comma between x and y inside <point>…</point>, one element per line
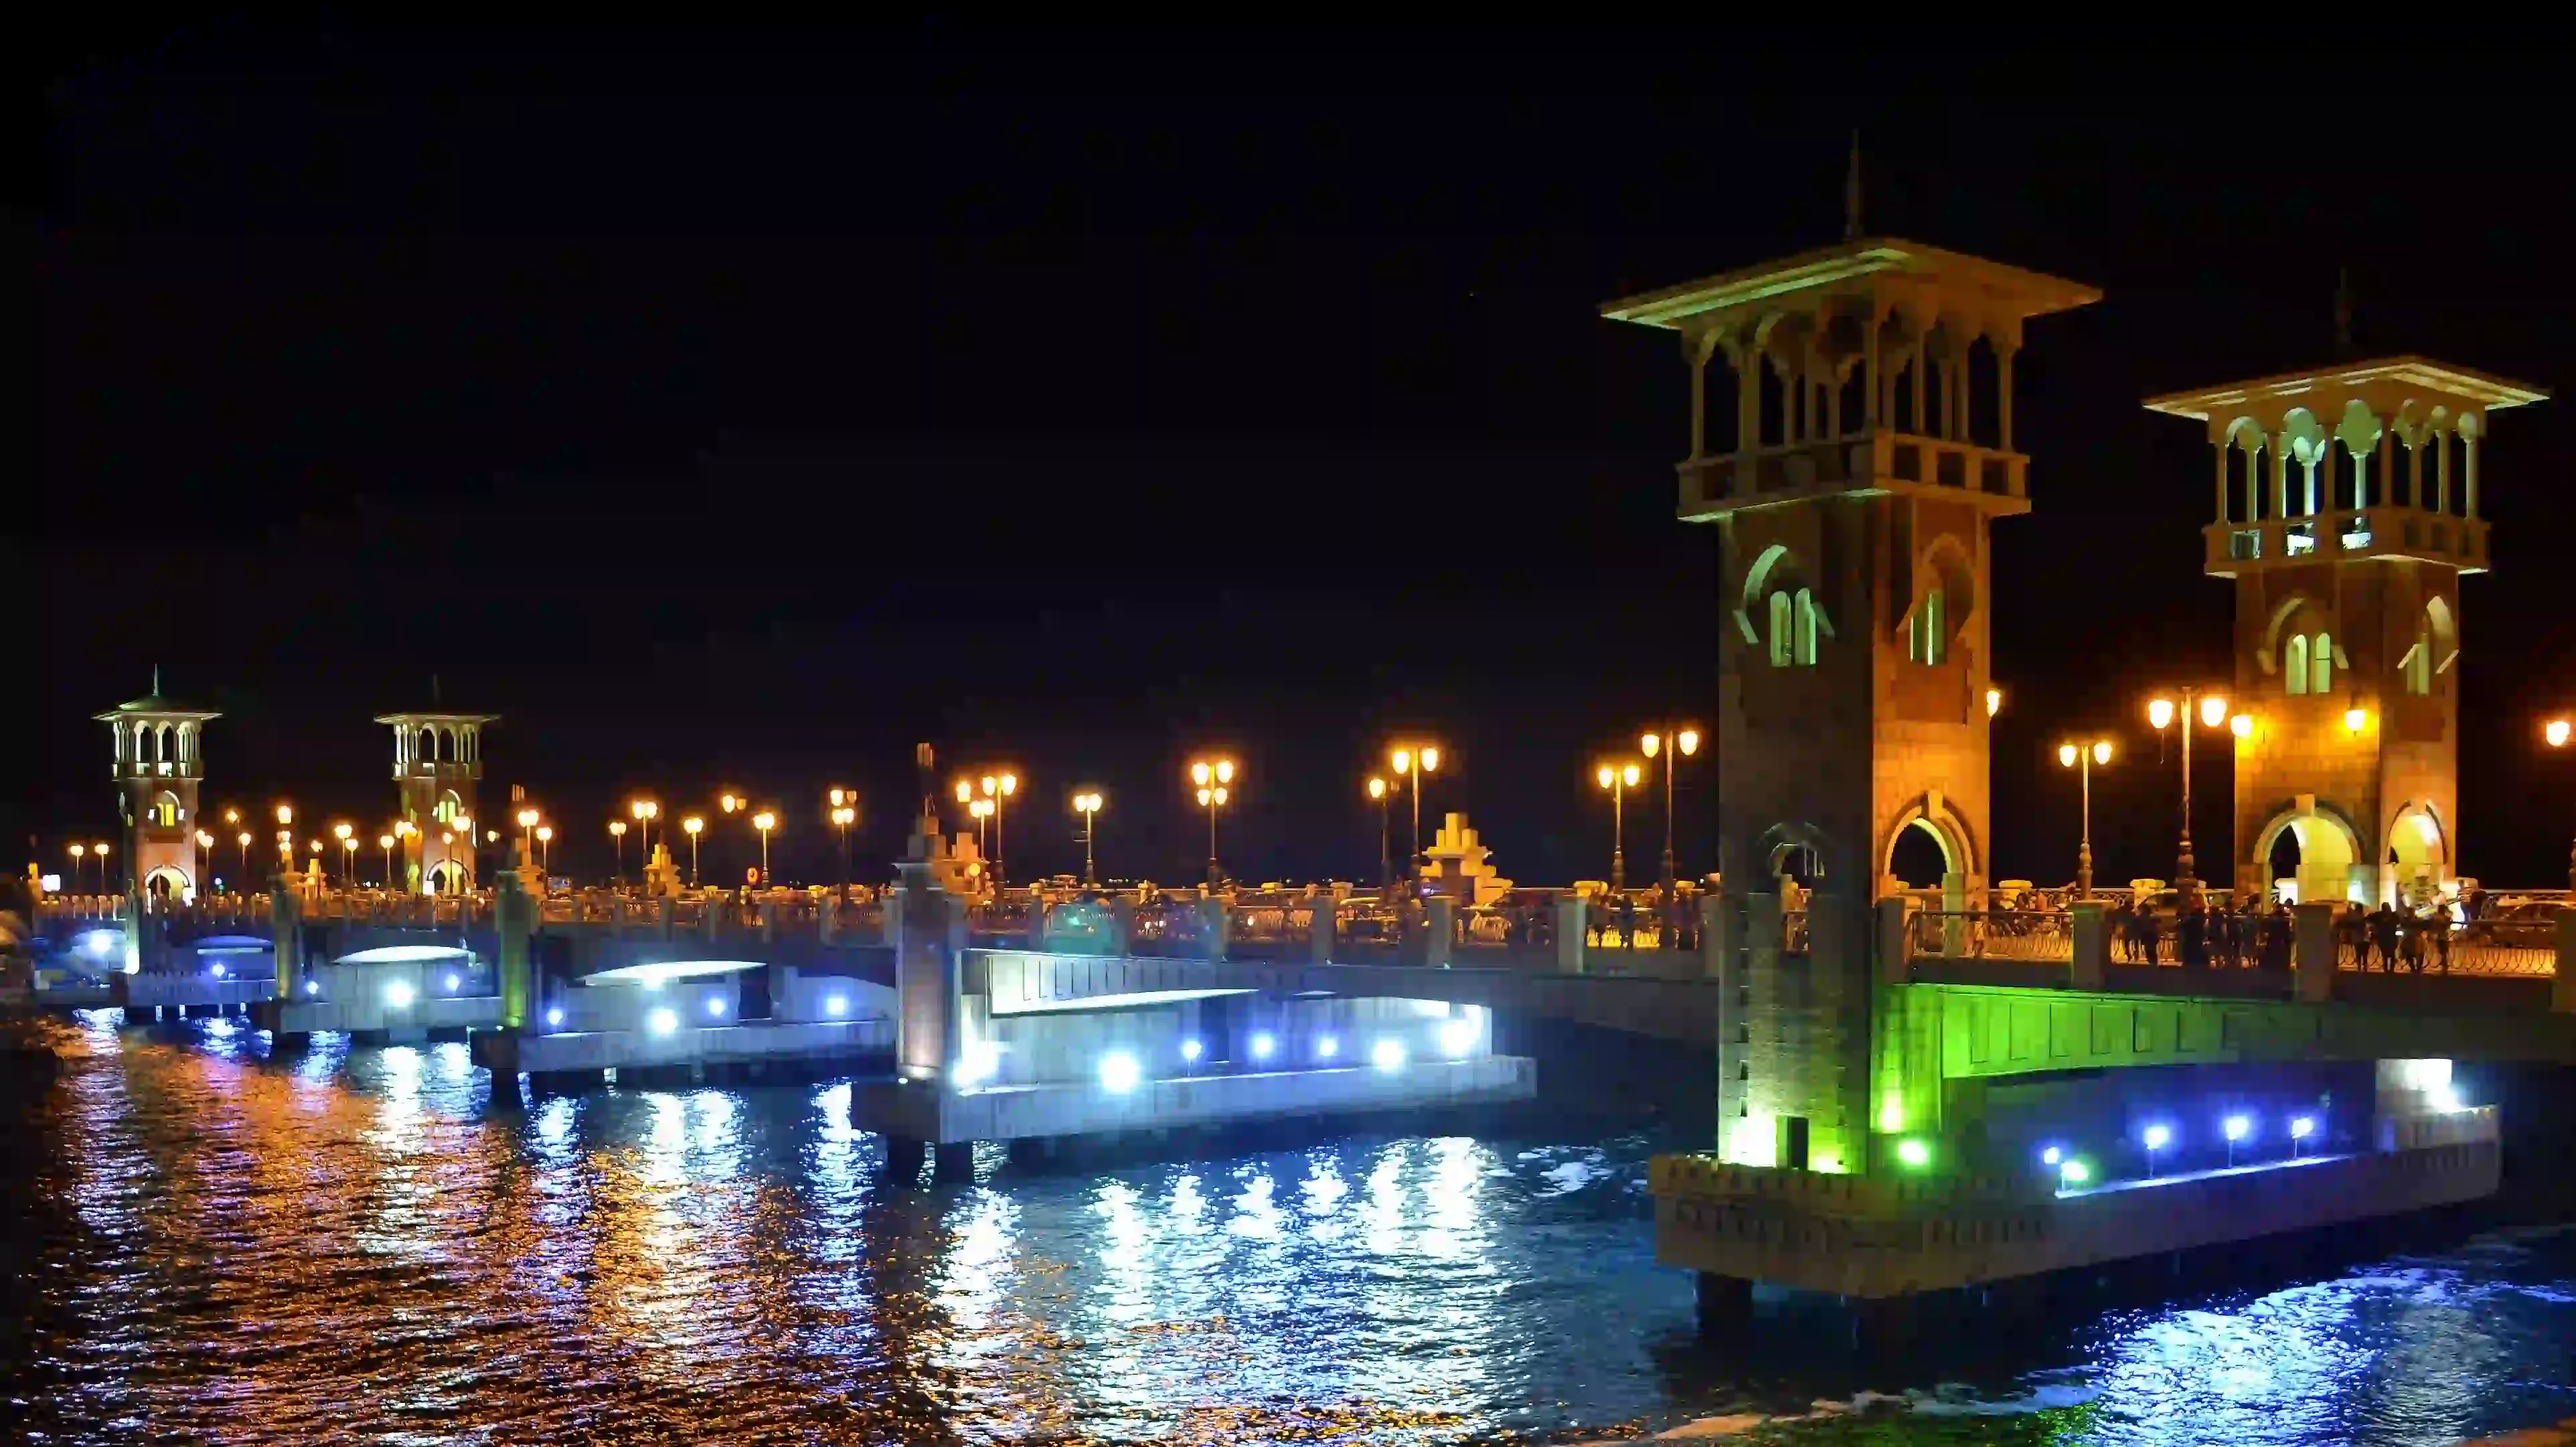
<point>2327,849</point>
<point>2419,849</point>
<point>1934,820</point>
<point>168,883</point>
<point>446,877</point>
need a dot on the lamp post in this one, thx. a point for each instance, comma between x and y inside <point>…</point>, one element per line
<point>1619,779</point>
<point>80,851</point>
<point>206,846</point>
<point>1088,806</point>
<point>546,848</point>
<point>1385,866</point>
<point>1685,744</point>
<point>617,831</point>
<point>764,821</point>
<point>1211,777</point>
<point>100,849</point>
<point>342,832</point>
<point>348,862</point>
<point>645,812</point>
<point>693,826</point>
<point>732,803</point>
<point>2212,713</point>
<point>2082,758</point>
<point>527,830</point>
<point>2557,733</point>
<point>845,812</point>
<point>1410,765</point>
<point>996,788</point>
<point>385,842</point>
<point>244,840</point>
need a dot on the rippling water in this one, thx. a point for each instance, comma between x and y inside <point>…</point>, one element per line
<point>350,1245</point>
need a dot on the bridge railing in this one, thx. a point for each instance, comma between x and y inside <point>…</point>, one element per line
<point>1991,934</point>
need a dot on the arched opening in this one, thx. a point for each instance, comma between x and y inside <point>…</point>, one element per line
<point>1776,592</point>
<point>1920,856</point>
<point>168,884</point>
<point>2294,665</point>
<point>2431,655</point>
<point>1942,603</point>
<point>2418,852</point>
<point>426,747</point>
<point>2321,664</point>
<point>2321,849</point>
<point>447,877</point>
<point>449,809</point>
<point>165,810</point>
<point>1791,851</point>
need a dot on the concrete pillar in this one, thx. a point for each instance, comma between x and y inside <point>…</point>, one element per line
<point>616,914</point>
<point>1764,929</point>
<point>1216,923</point>
<point>286,933</point>
<point>768,919</point>
<point>1122,925</point>
<point>1440,931</point>
<point>2312,951</point>
<point>1712,937</point>
<point>1569,933</point>
<point>1893,942</point>
<point>514,919</point>
<point>711,923</point>
<point>2092,930</point>
<point>1319,933</point>
<point>928,934</point>
<point>2562,987</point>
<point>827,921</point>
<point>1954,904</point>
<point>662,915</point>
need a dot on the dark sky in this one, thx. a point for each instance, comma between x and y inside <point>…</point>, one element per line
<point>737,410</point>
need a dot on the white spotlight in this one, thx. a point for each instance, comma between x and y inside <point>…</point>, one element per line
<point>1118,1072</point>
<point>1326,1047</point>
<point>716,1008</point>
<point>836,1006</point>
<point>1458,1037</point>
<point>662,1021</point>
<point>1387,1055</point>
<point>1262,1045</point>
<point>398,995</point>
<point>554,1018</point>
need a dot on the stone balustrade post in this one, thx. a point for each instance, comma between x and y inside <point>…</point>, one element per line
<point>616,915</point>
<point>1570,924</point>
<point>2090,924</point>
<point>1323,921</point>
<point>663,909</point>
<point>827,919</point>
<point>1216,923</point>
<point>2562,987</point>
<point>1714,937</point>
<point>1122,925</point>
<point>2312,951</point>
<point>1895,940</point>
<point>711,923</point>
<point>1439,931</point>
<point>769,919</point>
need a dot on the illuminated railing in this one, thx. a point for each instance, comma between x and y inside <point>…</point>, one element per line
<point>1714,484</point>
<point>2405,531</point>
<point>1991,934</point>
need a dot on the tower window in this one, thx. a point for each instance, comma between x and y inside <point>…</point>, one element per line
<point>1791,640</point>
<point>2321,664</point>
<point>1783,630</point>
<point>2294,664</point>
<point>1928,634</point>
<point>1806,629</point>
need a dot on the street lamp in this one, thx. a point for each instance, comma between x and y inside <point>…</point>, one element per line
<point>385,842</point>
<point>244,840</point>
<point>845,812</point>
<point>2082,759</point>
<point>341,831</point>
<point>764,821</point>
<point>1385,868</point>
<point>1211,777</point>
<point>206,846</point>
<point>1619,779</point>
<point>2212,714</point>
<point>1685,744</point>
<point>80,851</point>
<point>996,788</point>
<point>285,814</point>
<point>1994,702</point>
<point>1410,765</point>
<point>692,826</point>
<point>1088,806</point>
<point>2556,734</point>
<point>100,849</point>
<point>981,810</point>
<point>617,831</point>
<point>546,848</point>
<point>645,812</point>
<point>348,862</point>
<point>527,826</point>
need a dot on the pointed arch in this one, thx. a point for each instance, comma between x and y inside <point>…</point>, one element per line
<point>2294,665</point>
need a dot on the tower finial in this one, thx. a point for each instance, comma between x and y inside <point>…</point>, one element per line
<point>1851,191</point>
<point>156,680</point>
<point>433,690</point>
<point>2343,312</point>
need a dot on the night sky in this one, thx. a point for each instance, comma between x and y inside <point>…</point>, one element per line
<point>741,410</point>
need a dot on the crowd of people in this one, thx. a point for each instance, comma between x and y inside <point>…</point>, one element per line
<point>2225,933</point>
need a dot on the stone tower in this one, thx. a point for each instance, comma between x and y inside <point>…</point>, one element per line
<point>160,761</point>
<point>438,760</point>
<point>2346,511</point>
<point>1851,486</point>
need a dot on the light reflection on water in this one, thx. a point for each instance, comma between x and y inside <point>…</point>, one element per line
<point>350,1244</point>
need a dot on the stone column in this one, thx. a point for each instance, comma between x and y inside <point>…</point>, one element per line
<point>1322,922</point>
<point>286,932</point>
<point>1440,930</point>
<point>928,933</point>
<point>514,920</point>
<point>2312,951</point>
<point>827,920</point>
<point>711,923</point>
<point>768,920</point>
<point>2562,987</point>
<point>1569,933</point>
<point>2091,926</point>
<point>1713,936</point>
<point>662,915</point>
<point>1122,925</point>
